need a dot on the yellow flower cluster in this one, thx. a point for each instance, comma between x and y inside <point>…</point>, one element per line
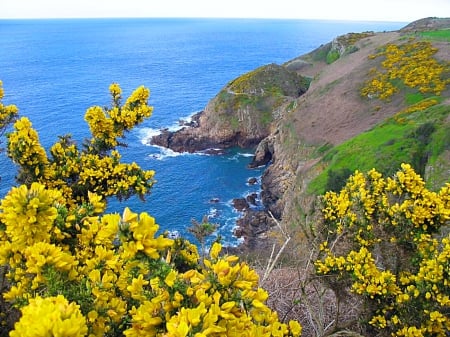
<point>413,64</point>
<point>221,300</point>
<point>7,112</point>
<point>107,125</point>
<point>51,316</point>
<point>399,117</point>
<point>28,214</point>
<point>108,176</point>
<point>96,168</point>
<point>124,278</point>
<point>25,149</point>
<point>380,237</point>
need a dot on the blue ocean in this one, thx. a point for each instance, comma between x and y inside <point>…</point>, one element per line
<point>53,70</point>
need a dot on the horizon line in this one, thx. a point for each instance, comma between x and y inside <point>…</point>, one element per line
<point>202,17</point>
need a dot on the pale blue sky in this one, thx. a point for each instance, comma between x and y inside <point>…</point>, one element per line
<point>376,10</point>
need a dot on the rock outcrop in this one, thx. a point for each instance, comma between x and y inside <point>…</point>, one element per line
<point>241,114</point>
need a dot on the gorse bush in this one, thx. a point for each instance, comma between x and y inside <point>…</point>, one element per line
<point>411,64</point>
<point>8,113</point>
<point>96,167</point>
<point>117,277</point>
<point>74,271</point>
<point>382,240</point>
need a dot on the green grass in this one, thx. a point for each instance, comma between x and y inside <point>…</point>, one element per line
<point>441,35</point>
<point>388,145</point>
<point>413,98</point>
<point>332,56</point>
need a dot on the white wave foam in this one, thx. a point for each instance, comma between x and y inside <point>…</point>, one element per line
<point>165,153</point>
<point>241,154</point>
<point>146,134</point>
<point>213,213</point>
<point>246,154</point>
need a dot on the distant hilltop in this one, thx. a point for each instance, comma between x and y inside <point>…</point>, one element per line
<point>427,24</point>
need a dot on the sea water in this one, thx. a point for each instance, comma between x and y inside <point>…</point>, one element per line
<point>53,70</point>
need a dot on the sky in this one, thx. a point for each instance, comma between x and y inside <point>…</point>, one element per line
<point>357,10</point>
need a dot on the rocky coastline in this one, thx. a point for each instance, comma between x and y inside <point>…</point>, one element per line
<point>243,115</point>
<point>292,114</point>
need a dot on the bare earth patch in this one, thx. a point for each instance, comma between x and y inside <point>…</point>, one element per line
<point>332,110</point>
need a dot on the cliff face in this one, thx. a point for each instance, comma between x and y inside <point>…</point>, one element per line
<point>241,114</point>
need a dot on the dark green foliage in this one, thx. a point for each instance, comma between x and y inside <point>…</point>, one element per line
<point>201,230</point>
<point>337,179</point>
<point>420,153</point>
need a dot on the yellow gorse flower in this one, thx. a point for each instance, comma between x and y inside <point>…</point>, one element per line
<point>28,214</point>
<point>413,64</point>
<point>380,239</point>
<point>52,316</point>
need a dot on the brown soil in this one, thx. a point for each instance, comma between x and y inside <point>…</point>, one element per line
<point>332,110</point>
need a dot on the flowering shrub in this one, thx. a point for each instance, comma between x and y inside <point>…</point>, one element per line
<point>413,64</point>
<point>382,239</point>
<point>55,317</point>
<point>116,275</point>
<point>97,166</point>
<point>74,271</point>
<point>7,112</point>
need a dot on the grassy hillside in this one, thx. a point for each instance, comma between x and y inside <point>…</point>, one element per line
<point>384,103</point>
<point>377,101</point>
<point>419,138</point>
<point>417,134</point>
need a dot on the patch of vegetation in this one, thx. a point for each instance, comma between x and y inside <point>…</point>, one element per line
<point>351,49</point>
<point>409,65</point>
<point>291,106</point>
<point>440,139</point>
<point>234,122</point>
<point>324,148</point>
<point>346,45</point>
<point>420,152</point>
<point>439,35</point>
<point>380,240</point>
<point>271,79</point>
<point>266,117</point>
<point>413,98</point>
<point>417,138</point>
<point>350,39</point>
<point>321,53</point>
<point>336,179</point>
<point>332,56</point>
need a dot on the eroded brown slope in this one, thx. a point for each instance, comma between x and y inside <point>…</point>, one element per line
<point>332,110</point>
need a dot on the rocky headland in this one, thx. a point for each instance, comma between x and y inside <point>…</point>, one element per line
<point>294,114</point>
<point>241,114</point>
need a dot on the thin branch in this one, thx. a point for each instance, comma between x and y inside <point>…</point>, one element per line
<point>272,262</point>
